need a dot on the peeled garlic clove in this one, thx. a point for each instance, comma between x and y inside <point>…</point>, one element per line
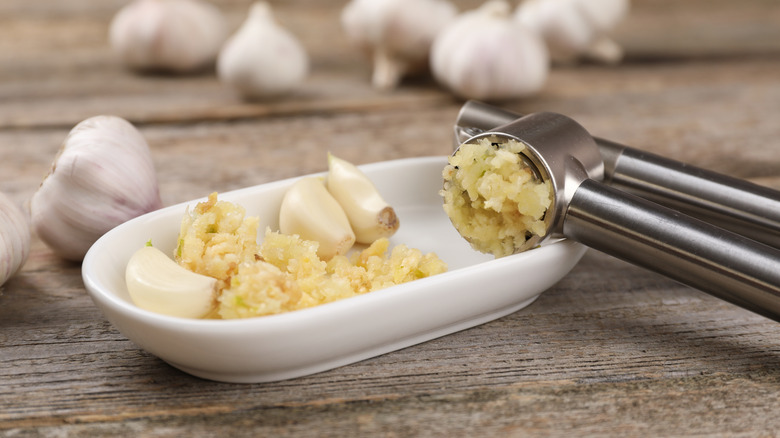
<point>370,216</point>
<point>172,35</point>
<point>262,59</point>
<point>158,284</point>
<point>485,54</point>
<point>576,28</point>
<point>312,213</point>
<point>14,238</point>
<point>103,175</point>
<point>397,33</point>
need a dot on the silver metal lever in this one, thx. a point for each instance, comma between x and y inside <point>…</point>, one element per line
<point>734,204</point>
<point>722,263</point>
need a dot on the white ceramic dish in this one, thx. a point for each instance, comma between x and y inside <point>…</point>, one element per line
<point>476,289</point>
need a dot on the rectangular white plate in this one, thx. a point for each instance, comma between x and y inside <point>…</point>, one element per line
<point>476,289</point>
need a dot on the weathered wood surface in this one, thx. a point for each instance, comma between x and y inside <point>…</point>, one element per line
<point>610,350</point>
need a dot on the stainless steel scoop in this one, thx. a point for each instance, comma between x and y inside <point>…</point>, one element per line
<point>737,205</point>
<point>585,209</point>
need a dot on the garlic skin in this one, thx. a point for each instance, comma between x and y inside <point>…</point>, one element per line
<point>103,175</point>
<point>397,33</point>
<point>262,59</point>
<point>576,28</point>
<point>178,36</point>
<point>311,212</point>
<point>370,216</point>
<point>158,284</point>
<point>485,54</point>
<point>14,238</point>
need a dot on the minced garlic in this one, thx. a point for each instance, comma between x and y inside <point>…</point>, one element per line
<point>492,197</point>
<point>284,272</point>
<point>215,237</point>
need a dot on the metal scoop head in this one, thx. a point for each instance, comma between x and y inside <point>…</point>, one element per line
<point>585,209</point>
<point>557,151</point>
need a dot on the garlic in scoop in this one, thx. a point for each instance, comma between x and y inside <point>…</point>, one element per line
<point>171,35</point>
<point>485,54</point>
<point>576,28</point>
<point>396,33</point>
<point>262,59</point>
<point>14,238</point>
<point>103,175</point>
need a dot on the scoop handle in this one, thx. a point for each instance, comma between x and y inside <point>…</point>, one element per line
<point>735,204</point>
<point>717,261</point>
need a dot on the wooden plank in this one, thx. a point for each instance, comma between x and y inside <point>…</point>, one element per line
<point>570,353</point>
<point>625,325</point>
<point>667,30</point>
<point>663,108</point>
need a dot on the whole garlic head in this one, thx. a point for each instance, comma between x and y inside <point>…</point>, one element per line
<point>262,59</point>
<point>14,238</point>
<point>575,28</point>
<point>172,35</point>
<point>397,33</point>
<point>103,175</point>
<point>485,54</point>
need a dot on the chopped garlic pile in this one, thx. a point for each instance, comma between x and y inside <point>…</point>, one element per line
<point>215,237</point>
<point>493,198</point>
<point>284,272</point>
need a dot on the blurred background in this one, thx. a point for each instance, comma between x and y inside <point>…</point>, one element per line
<point>692,71</point>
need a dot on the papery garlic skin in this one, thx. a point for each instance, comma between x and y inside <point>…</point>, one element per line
<point>179,36</point>
<point>485,54</point>
<point>103,175</point>
<point>397,33</point>
<point>576,28</point>
<point>311,212</point>
<point>14,238</point>
<point>370,216</point>
<point>262,59</point>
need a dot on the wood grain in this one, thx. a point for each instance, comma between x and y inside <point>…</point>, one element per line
<point>611,350</point>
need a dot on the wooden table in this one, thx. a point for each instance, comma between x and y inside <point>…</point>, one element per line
<point>610,350</point>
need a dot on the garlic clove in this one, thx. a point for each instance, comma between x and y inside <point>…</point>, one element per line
<point>262,59</point>
<point>171,35</point>
<point>158,284</point>
<point>485,54</point>
<point>103,175</point>
<point>576,29</point>
<point>370,216</point>
<point>14,238</point>
<point>397,33</point>
<point>312,213</point>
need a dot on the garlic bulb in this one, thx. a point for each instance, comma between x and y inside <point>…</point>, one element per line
<point>485,54</point>
<point>262,58</point>
<point>171,35</point>
<point>103,175</point>
<point>397,33</point>
<point>14,238</point>
<point>574,28</point>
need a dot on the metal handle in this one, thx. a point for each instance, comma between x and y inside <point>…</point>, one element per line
<point>734,204</point>
<point>722,263</point>
<point>737,205</point>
